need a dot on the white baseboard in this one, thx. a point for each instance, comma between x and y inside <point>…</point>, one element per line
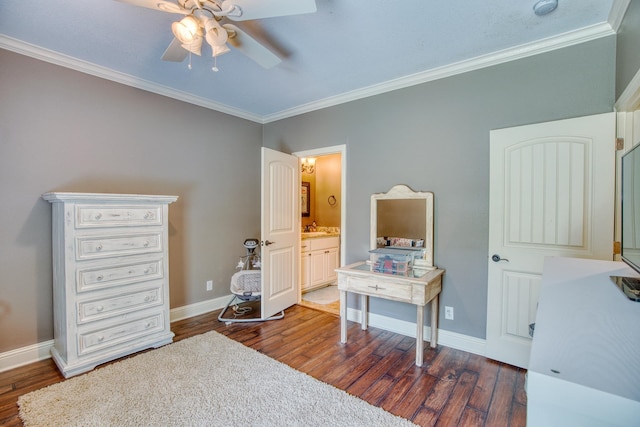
<point>41,351</point>
<point>198,308</point>
<point>402,327</point>
<point>25,355</point>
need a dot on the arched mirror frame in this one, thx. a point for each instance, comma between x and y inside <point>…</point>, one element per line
<point>402,192</point>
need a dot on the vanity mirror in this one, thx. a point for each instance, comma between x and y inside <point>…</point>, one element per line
<point>403,218</point>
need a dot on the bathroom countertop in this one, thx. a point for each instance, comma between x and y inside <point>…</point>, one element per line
<point>318,234</point>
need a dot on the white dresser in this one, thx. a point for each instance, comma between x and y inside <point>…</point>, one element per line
<point>110,277</point>
<point>583,369</point>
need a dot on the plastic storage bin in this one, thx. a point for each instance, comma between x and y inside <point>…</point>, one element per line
<point>397,261</point>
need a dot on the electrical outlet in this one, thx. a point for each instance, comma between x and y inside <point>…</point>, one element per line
<point>209,285</point>
<point>448,312</point>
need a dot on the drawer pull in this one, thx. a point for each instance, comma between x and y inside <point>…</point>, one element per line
<point>148,215</point>
<point>326,252</point>
<point>148,325</point>
<point>99,308</point>
<point>100,338</point>
<point>98,216</point>
<point>99,278</point>
<point>147,271</point>
<point>99,247</point>
<point>377,288</point>
<point>147,298</point>
<point>146,243</point>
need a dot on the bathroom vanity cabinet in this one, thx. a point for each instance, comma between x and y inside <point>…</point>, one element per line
<point>320,256</point>
<point>110,277</point>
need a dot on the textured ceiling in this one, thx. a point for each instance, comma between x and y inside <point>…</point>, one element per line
<point>346,50</point>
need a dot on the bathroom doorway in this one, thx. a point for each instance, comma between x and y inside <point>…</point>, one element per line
<point>322,234</point>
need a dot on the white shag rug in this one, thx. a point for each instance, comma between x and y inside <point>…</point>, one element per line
<point>206,380</point>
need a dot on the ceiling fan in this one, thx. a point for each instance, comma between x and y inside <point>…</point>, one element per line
<point>207,20</point>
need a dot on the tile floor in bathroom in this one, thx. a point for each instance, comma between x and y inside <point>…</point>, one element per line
<point>325,299</point>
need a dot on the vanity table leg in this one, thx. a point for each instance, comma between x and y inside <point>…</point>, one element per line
<point>434,321</point>
<point>343,316</point>
<point>364,308</point>
<point>419,334</point>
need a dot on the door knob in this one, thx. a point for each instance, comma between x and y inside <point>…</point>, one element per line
<point>496,258</point>
<point>268,242</point>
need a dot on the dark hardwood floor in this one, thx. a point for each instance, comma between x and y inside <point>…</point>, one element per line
<point>452,388</point>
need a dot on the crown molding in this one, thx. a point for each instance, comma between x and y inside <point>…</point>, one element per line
<point>56,58</point>
<point>526,50</point>
<point>629,99</point>
<point>618,9</point>
<point>530,49</point>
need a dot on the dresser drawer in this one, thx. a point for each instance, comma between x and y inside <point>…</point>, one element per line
<point>102,308</point>
<point>117,275</point>
<point>91,247</point>
<point>384,289</point>
<point>94,216</point>
<point>129,330</point>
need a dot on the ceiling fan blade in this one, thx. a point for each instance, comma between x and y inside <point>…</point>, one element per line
<point>175,52</point>
<point>258,9</point>
<point>161,5</point>
<point>251,47</point>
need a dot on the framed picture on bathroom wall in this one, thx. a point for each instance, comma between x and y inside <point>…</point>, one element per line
<point>305,201</point>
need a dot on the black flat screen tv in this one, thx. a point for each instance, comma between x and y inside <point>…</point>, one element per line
<point>630,222</point>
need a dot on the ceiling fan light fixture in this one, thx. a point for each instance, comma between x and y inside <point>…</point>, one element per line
<point>201,19</point>
<point>187,30</point>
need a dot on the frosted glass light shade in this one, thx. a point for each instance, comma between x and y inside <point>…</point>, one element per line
<point>187,30</point>
<point>195,46</point>
<point>219,50</point>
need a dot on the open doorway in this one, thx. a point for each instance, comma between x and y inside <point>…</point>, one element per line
<point>322,226</point>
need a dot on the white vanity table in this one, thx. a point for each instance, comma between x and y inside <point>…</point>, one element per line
<point>359,279</point>
<point>398,217</point>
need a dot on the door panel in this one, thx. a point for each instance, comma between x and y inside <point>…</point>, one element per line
<point>280,231</point>
<point>551,194</point>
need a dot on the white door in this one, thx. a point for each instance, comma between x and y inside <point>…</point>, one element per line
<point>280,231</point>
<point>552,191</point>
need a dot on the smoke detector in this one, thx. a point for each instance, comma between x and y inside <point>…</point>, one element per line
<point>544,7</point>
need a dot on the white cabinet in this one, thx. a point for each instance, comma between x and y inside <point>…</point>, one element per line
<point>305,262</point>
<point>584,356</point>
<point>320,258</point>
<point>110,277</point>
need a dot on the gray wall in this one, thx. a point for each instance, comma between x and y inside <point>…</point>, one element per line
<point>435,137</point>
<point>628,47</point>
<point>66,131</point>
<point>61,130</point>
